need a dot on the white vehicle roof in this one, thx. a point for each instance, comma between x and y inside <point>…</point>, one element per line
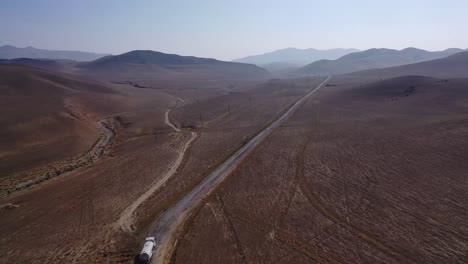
<point>148,246</point>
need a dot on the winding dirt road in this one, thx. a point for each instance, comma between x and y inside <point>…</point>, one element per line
<point>168,122</point>
<point>166,227</point>
<point>126,218</point>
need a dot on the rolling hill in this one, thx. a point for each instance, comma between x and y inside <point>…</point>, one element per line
<point>158,65</point>
<point>51,118</point>
<point>41,119</point>
<point>48,64</point>
<point>294,57</point>
<point>372,59</point>
<point>454,66</point>
<point>147,65</point>
<point>11,52</point>
<point>278,67</point>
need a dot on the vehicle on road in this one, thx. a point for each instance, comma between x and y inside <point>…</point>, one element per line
<point>147,251</point>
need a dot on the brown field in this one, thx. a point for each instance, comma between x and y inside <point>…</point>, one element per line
<point>221,133</point>
<point>362,173</point>
<point>366,171</point>
<point>50,119</point>
<point>74,217</point>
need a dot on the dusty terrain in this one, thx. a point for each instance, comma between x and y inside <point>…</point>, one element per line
<point>73,217</point>
<point>221,133</point>
<point>51,121</point>
<point>366,171</point>
<point>454,66</point>
<point>170,223</point>
<point>77,217</point>
<point>373,59</point>
<point>363,173</point>
<point>151,65</point>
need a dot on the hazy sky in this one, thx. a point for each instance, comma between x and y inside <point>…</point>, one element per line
<point>228,29</point>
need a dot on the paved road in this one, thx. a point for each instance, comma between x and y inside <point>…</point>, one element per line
<point>166,227</point>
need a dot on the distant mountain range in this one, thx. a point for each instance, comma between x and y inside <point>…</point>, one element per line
<point>153,64</point>
<point>148,64</point>
<point>150,57</point>
<point>292,57</point>
<point>453,66</point>
<point>11,52</point>
<point>373,59</point>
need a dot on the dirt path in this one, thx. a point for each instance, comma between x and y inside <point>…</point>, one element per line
<point>168,122</point>
<point>166,227</point>
<point>126,218</point>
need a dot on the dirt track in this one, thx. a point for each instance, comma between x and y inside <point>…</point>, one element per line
<point>166,227</point>
<point>126,219</point>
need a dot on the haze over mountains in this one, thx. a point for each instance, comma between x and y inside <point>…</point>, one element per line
<point>373,59</point>
<point>453,66</point>
<point>11,52</point>
<point>233,132</point>
<point>164,107</point>
<point>293,57</point>
<point>147,63</point>
<point>144,64</point>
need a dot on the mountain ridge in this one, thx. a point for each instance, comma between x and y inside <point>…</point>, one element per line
<point>453,66</point>
<point>146,63</point>
<point>373,58</point>
<point>294,56</point>
<point>12,52</point>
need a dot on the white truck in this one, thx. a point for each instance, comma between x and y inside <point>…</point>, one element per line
<point>147,251</point>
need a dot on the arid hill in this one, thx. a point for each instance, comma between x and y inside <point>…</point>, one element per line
<point>280,67</point>
<point>49,117</point>
<point>454,66</point>
<point>151,67</point>
<point>11,52</point>
<point>47,64</point>
<point>147,64</point>
<point>42,118</point>
<point>372,59</point>
<point>294,57</point>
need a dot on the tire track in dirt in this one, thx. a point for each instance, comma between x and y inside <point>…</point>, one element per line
<point>289,240</point>
<point>403,257</point>
<point>228,221</point>
<point>367,190</point>
<point>285,194</point>
<point>126,219</point>
<point>289,200</point>
<point>286,258</point>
